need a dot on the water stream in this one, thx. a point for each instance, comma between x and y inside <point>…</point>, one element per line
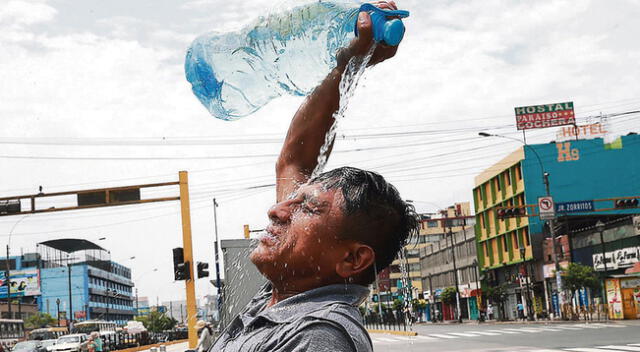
<point>350,78</point>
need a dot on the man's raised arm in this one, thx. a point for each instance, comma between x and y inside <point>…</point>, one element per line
<point>299,155</point>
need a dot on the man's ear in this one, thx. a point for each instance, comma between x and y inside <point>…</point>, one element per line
<point>357,258</point>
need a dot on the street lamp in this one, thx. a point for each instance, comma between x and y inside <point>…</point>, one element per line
<point>58,305</point>
<point>552,229</point>
<point>600,226</point>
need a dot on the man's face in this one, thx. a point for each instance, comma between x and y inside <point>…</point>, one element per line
<point>302,240</point>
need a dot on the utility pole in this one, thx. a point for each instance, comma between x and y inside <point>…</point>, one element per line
<point>552,232</point>
<point>217,259</point>
<point>7,281</point>
<point>70,298</point>
<point>455,268</point>
<point>137,308</point>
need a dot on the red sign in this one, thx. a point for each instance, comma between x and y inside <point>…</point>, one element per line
<point>80,314</point>
<point>543,116</point>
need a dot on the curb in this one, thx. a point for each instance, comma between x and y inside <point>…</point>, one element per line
<point>146,347</point>
<point>393,332</point>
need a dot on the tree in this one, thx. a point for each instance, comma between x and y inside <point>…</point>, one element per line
<point>39,320</point>
<point>448,295</point>
<point>157,322</point>
<point>498,295</point>
<point>577,276</point>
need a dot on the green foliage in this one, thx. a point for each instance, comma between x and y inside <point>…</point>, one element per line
<point>157,322</point>
<point>419,303</point>
<point>448,295</point>
<point>577,276</point>
<point>39,320</point>
<point>497,294</point>
<point>397,305</point>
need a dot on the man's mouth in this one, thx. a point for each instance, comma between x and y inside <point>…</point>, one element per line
<point>268,236</point>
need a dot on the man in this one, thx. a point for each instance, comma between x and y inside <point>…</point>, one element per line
<point>327,236</point>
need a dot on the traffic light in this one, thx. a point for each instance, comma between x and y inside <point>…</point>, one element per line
<point>180,267</point>
<point>374,298</point>
<point>626,203</point>
<point>10,206</point>
<point>203,270</point>
<point>511,212</point>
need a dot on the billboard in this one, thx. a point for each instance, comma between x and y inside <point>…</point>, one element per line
<point>543,116</point>
<point>23,283</point>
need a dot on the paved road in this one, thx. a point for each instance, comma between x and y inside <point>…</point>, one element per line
<point>595,337</point>
<point>178,347</point>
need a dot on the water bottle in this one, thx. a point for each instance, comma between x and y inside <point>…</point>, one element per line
<point>235,74</point>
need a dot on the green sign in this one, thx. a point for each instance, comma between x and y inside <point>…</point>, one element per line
<point>543,116</point>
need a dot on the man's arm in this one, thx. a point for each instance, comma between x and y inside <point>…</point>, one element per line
<point>314,118</point>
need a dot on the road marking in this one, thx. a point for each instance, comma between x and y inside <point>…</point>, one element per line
<point>506,331</point>
<point>426,337</point>
<point>545,351</point>
<point>386,339</point>
<point>484,333</point>
<point>622,348</point>
<point>549,329</point>
<point>524,329</point>
<point>568,327</point>
<point>590,350</point>
<point>610,325</point>
<point>463,334</point>
<point>444,336</point>
<point>590,326</point>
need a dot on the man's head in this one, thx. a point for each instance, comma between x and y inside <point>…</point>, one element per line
<point>337,226</point>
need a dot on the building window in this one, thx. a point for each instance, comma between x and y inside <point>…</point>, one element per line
<point>504,243</point>
<point>507,177</point>
<point>514,236</point>
<point>518,172</point>
<point>432,224</point>
<point>479,190</point>
<point>525,234</point>
<point>498,183</point>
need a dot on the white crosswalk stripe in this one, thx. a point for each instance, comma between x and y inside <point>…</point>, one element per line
<point>621,348</point>
<point>444,336</point>
<point>464,334</point>
<point>485,333</point>
<point>588,349</point>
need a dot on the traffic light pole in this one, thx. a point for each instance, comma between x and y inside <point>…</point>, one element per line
<point>552,232</point>
<point>188,258</point>
<point>217,260</point>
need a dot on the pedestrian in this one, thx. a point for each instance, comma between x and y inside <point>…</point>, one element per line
<point>97,341</point>
<point>205,336</point>
<point>328,231</point>
<point>520,308</point>
<point>91,345</point>
<point>490,311</point>
<point>72,326</point>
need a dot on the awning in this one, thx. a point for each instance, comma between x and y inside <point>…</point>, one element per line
<point>70,245</point>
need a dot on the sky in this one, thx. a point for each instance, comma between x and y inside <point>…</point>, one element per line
<point>93,94</point>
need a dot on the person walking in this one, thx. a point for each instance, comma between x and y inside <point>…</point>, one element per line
<point>97,341</point>
<point>205,334</point>
<point>520,308</point>
<point>490,311</point>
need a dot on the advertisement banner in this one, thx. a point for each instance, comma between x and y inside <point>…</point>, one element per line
<point>620,258</point>
<point>23,283</point>
<point>614,297</point>
<point>543,116</point>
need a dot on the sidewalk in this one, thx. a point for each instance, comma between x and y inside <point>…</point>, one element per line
<point>535,322</point>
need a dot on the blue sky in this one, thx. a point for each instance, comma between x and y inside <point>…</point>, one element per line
<point>102,75</point>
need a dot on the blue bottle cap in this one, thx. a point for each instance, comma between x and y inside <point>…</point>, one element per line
<point>393,32</point>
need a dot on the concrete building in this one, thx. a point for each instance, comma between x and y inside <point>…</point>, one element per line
<point>73,279</point>
<point>25,287</point>
<point>176,309</point>
<point>437,263</point>
<point>586,178</point>
<point>433,228</point>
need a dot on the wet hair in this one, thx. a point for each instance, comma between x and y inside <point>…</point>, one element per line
<point>377,216</point>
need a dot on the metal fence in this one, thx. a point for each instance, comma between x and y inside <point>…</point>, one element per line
<point>119,341</point>
<point>388,320</point>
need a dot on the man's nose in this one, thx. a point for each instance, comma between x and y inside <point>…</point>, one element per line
<point>280,212</point>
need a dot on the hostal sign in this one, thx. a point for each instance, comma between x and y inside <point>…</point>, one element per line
<point>543,116</point>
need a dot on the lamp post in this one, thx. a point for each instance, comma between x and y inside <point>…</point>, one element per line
<point>600,226</point>
<point>552,228</point>
<point>475,277</point>
<point>58,307</point>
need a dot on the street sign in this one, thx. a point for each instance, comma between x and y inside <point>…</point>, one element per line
<point>546,208</point>
<point>543,116</point>
<point>575,207</point>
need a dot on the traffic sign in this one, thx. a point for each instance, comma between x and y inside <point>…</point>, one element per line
<point>575,207</point>
<point>546,208</point>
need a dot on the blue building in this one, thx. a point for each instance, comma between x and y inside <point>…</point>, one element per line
<point>75,279</point>
<point>587,179</point>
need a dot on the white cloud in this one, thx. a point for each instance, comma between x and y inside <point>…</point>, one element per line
<point>18,13</point>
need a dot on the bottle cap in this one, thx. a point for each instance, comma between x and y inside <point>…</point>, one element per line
<point>393,32</point>
<point>389,31</point>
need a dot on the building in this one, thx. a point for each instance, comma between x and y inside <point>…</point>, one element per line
<point>586,178</point>
<point>71,279</point>
<point>142,305</point>
<point>433,228</point>
<point>25,287</point>
<point>176,309</point>
<point>437,263</point>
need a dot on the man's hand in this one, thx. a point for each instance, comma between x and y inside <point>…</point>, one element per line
<point>299,155</point>
<point>360,45</point>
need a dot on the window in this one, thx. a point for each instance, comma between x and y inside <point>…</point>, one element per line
<point>498,183</point>
<point>514,236</point>
<point>479,193</point>
<point>504,243</point>
<point>518,172</point>
<point>525,234</point>
<point>432,223</point>
<point>507,177</point>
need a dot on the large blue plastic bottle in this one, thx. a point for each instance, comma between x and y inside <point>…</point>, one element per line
<point>234,74</point>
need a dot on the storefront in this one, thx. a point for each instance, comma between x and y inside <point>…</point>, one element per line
<point>623,296</point>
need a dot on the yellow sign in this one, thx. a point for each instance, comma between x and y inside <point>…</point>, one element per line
<point>614,297</point>
<point>566,153</point>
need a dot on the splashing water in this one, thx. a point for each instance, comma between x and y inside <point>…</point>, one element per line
<point>350,78</point>
<point>408,304</point>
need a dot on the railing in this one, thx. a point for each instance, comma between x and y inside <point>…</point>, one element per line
<point>389,320</point>
<point>114,342</point>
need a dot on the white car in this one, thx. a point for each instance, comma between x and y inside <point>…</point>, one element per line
<point>70,343</point>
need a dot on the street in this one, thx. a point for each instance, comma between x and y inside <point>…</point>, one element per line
<point>595,337</point>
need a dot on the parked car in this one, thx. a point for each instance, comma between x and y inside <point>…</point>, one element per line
<point>70,343</point>
<point>46,344</point>
<point>28,346</point>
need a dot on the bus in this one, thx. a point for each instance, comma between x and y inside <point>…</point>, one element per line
<point>101,326</point>
<point>47,333</point>
<point>11,331</point>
